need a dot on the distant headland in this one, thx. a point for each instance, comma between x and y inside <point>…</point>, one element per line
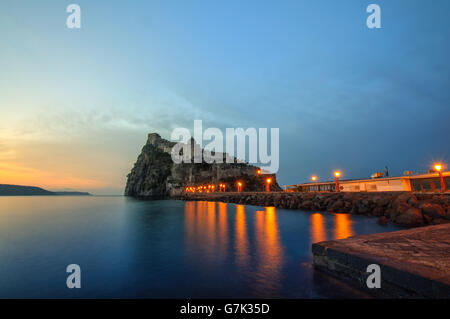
<point>18,190</point>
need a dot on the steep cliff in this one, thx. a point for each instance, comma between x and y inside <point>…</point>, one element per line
<point>155,175</point>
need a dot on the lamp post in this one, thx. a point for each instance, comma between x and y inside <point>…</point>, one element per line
<point>314,178</point>
<point>268,181</point>
<point>337,174</point>
<point>258,172</point>
<point>438,168</point>
<point>239,187</point>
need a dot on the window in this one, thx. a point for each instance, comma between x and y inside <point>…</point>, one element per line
<point>416,185</point>
<point>437,184</point>
<point>426,185</point>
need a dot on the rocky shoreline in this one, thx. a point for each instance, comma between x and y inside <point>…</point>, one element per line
<point>405,209</point>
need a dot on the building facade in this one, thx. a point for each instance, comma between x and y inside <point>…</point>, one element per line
<point>416,183</point>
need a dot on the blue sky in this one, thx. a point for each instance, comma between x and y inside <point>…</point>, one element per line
<point>77,104</point>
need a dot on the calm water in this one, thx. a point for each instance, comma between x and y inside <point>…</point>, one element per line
<point>173,249</point>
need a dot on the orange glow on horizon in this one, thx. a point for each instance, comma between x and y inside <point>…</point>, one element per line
<point>16,174</point>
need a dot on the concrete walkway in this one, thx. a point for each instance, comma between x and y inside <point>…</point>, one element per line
<point>414,263</point>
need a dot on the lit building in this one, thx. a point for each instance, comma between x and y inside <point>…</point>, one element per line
<point>430,182</point>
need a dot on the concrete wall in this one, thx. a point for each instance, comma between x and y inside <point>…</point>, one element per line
<point>377,185</point>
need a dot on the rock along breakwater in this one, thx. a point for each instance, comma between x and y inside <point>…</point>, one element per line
<point>406,209</point>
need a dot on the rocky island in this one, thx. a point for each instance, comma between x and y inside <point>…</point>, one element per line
<point>155,175</point>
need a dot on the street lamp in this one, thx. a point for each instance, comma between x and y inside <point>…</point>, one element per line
<point>239,187</point>
<point>438,168</point>
<point>268,181</point>
<point>314,178</point>
<point>258,171</point>
<point>337,174</point>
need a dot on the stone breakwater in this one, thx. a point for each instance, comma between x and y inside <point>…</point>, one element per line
<point>406,209</point>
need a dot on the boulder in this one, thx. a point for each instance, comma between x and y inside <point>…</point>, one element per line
<point>336,206</point>
<point>433,210</point>
<point>382,220</point>
<point>378,211</point>
<point>411,217</point>
<point>381,201</point>
<point>306,205</point>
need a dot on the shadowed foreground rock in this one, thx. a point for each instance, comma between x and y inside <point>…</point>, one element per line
<point>406,209</point>
<point>414,263</point>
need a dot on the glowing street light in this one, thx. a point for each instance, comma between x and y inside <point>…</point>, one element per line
<point>438,168</point>
<point>337,174</point>
<point>314,178</point>
<point>239,186</point>
<point>268,181</point>
<point>258,171</point>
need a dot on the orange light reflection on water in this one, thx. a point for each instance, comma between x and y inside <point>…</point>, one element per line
<point>209,230</point>
<point>241,244</point>
<point>269,252</point>
<point>318,228</point>
<point>343,226</point>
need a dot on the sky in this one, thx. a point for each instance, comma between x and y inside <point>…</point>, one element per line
<point>76,105</point>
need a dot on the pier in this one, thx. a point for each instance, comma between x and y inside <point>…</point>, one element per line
<point>414,263</point>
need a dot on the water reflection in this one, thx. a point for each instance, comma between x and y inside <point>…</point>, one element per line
<point>223,230</point>
<point>200,228</point>
<point>165,249</point>
<point>206,229</point>
<point>343,226</point>
<point>246,243</point>
<point>269,252</point>
<point>241,243</point>
<point>227,234</point>
<point>318,228</point>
